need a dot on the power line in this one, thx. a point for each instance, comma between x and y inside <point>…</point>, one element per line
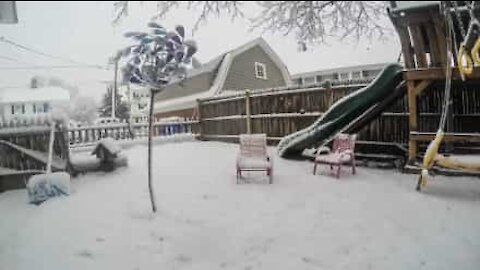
<point>8,58</point>
<point>3,39</point>
<point>12,59</point>
<point>52,67</point>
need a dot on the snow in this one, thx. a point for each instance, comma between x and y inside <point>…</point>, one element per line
<point>372,220</point>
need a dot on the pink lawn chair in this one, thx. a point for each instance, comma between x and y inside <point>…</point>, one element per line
<point>342,153</point>
<point>253,155</point>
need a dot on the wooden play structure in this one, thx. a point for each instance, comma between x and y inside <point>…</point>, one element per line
<point>440,48</point>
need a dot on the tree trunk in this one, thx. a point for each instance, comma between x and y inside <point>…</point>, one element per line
<point>150,132</point>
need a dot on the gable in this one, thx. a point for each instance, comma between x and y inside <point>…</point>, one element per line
<point>241,74</point>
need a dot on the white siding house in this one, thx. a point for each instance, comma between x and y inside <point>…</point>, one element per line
<point>138,99</point>
<point>31,104</point>
<point>362,72</point>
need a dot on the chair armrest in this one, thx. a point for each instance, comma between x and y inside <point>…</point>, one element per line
<point>323,150</point>
<point>348,153</point>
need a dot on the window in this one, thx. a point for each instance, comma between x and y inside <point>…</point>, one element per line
<point>260,71</point>
<point>46,108</point>
<point>309,80</point>
<point>23,108</point>
<point>356,75</point>
<point>13,109</point>
<point>344,76</point>
<point>330,77</point>
<point>370,73</point>
<point>34,108</point>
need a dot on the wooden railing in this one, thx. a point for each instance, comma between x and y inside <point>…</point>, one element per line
<point>124,131</point>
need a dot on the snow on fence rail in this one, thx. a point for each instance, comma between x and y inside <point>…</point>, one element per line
<point>124,131</point>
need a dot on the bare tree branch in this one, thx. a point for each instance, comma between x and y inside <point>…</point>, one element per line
<point>121,10</point>
<point>208,8</point>
<point>310,21</point>
<point>313,21</point>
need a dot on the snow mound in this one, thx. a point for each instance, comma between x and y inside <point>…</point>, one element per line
<point>41,187</point>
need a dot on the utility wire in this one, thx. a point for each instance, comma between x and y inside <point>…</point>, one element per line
<point>51,67</point>
<point>8,58</point>
<point>5,40</point>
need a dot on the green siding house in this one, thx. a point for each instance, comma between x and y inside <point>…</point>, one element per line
<point>253,65</point>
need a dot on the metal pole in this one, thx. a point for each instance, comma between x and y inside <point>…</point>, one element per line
<point>150,133</point>
<point>114,90</point>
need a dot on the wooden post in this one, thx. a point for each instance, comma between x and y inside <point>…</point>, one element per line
<point>50,147</point>
<point>200,123</point>
<point>248,112</point>
<point>412,120</point>
<point>328,86</point>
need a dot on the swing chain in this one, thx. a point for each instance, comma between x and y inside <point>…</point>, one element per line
<point>459,19</point>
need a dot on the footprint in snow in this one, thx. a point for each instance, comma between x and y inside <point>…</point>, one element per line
<point>183,258</point>
<point>85,254</point>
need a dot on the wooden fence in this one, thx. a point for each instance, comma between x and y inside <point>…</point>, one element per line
<point>282,112</point>
<point>37,138</point>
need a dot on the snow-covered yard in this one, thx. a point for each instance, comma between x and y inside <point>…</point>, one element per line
<point>374,220</point>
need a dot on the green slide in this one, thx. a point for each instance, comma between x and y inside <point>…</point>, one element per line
<point>345,113</point>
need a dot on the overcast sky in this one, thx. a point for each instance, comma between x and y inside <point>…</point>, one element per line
<point>82,31</point>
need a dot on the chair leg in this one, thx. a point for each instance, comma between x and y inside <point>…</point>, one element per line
<point>314,168</point>
<point>270,175</point>
<point>331,167</point>
<point>338,170</point>
<point>354,170</point>
<point>239,175</point>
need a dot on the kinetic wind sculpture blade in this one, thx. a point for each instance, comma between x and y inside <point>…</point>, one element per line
<point>158,56</point>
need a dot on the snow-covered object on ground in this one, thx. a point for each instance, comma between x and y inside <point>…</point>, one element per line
<point>110,144</point>
<point>41,187</point>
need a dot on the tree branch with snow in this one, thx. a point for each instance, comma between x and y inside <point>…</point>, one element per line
<point>310,21</point>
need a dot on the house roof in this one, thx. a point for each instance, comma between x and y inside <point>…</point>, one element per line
<point>220,64</point>
<point>35,94</point>
<point>340,69</point>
